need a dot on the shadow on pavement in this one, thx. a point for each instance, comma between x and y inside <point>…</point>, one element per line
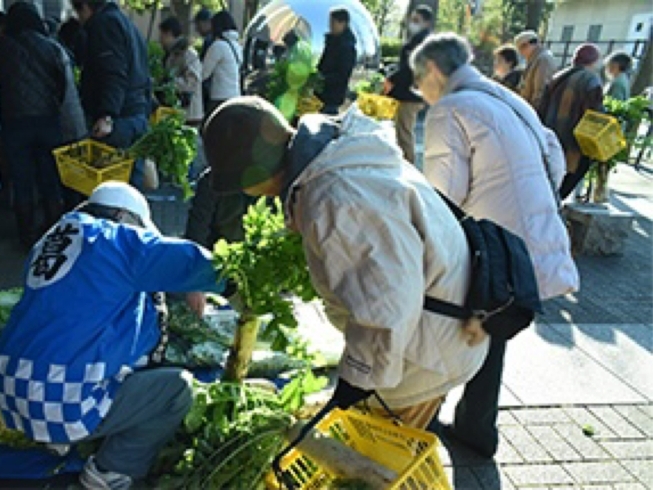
<point>615,291</point>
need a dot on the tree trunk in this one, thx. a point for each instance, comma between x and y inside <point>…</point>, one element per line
<point>150,25</point>
<point>183,10</point>
<point>601,191</point>
<point>643,77</point>
<point>534,13</point>
<point>240,354</point>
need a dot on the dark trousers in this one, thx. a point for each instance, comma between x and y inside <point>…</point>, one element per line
<point>476,413</point>
<point>571,180</point>
<point>28,145</point>
<point>145,414</point>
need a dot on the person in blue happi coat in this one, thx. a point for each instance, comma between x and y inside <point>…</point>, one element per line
<point>79,356</point>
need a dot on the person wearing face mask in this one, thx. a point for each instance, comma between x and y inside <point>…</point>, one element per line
<point>570,94</point>
<point>483,150</point>
<point>399,84</point>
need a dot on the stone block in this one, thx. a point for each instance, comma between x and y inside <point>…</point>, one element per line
<point>597,229</point>
<point>599,472</point>
<point>559,449</point>
<point>642,469</point>
<point>587,447</point>
<point>538,474</point>
<point>525,444</point>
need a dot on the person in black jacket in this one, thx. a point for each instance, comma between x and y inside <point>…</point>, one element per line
<point>115,83</point>
<point>337,62</point>
<point>32,90</point>
<point>399,85</point>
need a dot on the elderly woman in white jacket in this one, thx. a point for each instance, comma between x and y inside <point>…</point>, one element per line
<point>377,238</point>
<point>485,149</point>
<point>222,61</point>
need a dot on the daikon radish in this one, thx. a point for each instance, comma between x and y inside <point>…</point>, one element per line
<point>340,460</point>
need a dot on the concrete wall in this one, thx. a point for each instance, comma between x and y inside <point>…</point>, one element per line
<point>615,17</point>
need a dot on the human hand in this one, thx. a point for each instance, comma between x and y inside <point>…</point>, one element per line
<point>387,86</point>
<point>474,332</point>
<point>103,127</point>
<point>197,303</point>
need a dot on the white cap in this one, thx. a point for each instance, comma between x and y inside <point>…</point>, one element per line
<point>124,196</point>
<point>525,37</point>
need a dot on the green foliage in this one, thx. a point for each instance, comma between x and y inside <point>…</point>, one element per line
<point>15,439</point>
<point>163,84</point>
<point>391,48</point>
<point>172,146</point>
<point>231,435</point>
<point>268,266</point>
<point>292,79</point>
<point>142,6</point>
<point>385,13</point>
<point>8,299</point>
<point>374,85</point>
<point>630,114</point>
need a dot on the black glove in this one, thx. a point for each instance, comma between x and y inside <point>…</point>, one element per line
<point>230,289</point>
<point>347,394</point>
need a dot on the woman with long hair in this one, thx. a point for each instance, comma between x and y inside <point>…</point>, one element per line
<point>222,62</point>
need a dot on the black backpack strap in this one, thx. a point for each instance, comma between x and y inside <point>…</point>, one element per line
<point>447,309</point>
<point>439,306</point>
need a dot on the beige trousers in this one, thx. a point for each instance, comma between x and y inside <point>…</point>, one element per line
<point>405,120</point>
<point>417,416</point>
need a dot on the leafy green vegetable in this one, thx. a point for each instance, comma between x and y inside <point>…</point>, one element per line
<point>268,267</point>
<point>172,146</point>
<point>374,85</point>
<point>231,435</point>
<point>15,439</point>
<point>163,84</point>
<point>8,299</point>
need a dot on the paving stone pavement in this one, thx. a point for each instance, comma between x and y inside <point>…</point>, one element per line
<point>589,447</point>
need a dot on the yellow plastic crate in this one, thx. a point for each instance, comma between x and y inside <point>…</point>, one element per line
<point>411,453</point>
<point>74,163</point>
<point>163,112</point>
<point>599,136</point>
<point>377,106</point>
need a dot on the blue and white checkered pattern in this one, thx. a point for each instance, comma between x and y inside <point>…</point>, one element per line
<point>63,406</point>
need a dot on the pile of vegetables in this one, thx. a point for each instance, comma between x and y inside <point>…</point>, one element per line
<point>193,342</point>
<point>231,435</point>
<point>172,146</point>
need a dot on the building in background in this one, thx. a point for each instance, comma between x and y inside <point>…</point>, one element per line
<point>611,24</point>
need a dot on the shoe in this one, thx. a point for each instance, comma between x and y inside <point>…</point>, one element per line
<point>94,479</point>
